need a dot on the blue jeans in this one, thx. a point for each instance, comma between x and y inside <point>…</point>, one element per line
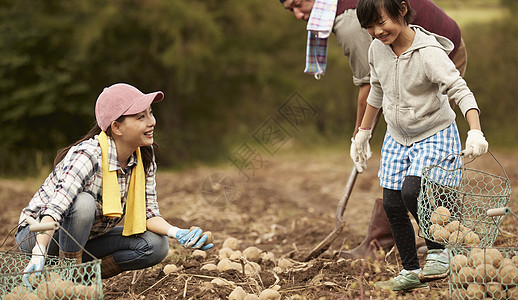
<point>129,252</point>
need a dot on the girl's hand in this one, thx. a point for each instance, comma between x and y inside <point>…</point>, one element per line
<point>476,144</point>
<point>361,142</point>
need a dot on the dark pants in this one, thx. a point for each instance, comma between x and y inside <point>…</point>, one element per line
<point>397,204</point>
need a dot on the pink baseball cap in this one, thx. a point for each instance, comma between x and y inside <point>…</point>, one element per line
<point>122,99</point>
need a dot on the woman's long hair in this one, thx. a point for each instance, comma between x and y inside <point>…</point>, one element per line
<point>146,152</point>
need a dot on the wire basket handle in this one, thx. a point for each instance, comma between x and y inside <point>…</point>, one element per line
<point>496,212</point>
<point>35,226</point>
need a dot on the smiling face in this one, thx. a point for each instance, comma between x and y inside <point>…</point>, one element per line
<point>137,130</point>
<point>300,8</point>
<point>385,29</point>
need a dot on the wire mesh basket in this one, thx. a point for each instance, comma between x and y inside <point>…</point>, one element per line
<point>483,273</point>
<point>452,203</point>
<point>60,278</point>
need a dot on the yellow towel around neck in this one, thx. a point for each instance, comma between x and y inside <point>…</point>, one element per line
<point>135,221</point>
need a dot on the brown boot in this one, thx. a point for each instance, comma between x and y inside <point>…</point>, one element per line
<point>378,236</point>
<point>78,256</point>
<point>109,267</point>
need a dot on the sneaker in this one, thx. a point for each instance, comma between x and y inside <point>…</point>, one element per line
<point>404,281</point>
<point>437,265</point>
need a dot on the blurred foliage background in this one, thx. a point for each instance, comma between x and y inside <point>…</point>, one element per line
<point>225,67</point>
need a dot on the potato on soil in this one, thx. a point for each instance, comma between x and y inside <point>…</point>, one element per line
<point>440,216</point>
<point>209,267</point>
<point>199,254</point>
<point>231,243</point>
<point>225,252</point>
<point>252,252</point>
<point>284,263</point>
<point>269,294</point>
<point>237,294</point>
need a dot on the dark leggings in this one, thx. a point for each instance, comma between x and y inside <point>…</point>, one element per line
<point>397,204</point>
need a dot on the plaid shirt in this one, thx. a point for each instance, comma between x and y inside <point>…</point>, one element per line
<point>81,171</point>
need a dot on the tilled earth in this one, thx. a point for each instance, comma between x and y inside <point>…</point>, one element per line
<point>285,207</point>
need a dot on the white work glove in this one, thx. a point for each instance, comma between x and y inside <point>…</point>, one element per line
<point>476,144</point>
<point>190,238</point>
<point>36,263</point>
<point>361,142</point>
<point>360,166</point>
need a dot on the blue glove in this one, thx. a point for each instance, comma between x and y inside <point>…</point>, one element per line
<point>36,263</point>
<point>190,238</point>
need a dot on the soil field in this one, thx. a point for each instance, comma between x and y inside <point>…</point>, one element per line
<point>284,208</point>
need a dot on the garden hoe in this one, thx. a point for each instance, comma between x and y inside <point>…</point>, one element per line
<point>339,222</point>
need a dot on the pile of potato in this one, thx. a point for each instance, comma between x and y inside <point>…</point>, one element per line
<point>52,287</point>
<point>231,257</point>
<point>453,232</point>
<point>482,273</point>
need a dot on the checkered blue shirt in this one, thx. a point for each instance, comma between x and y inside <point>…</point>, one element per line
<point>81,171</point>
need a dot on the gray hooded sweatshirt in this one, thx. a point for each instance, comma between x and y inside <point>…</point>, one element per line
<point>413,89</point>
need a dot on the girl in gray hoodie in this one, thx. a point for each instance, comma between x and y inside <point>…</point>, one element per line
<point>411,81</point>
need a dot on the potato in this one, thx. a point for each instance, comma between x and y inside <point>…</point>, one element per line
<point>251,297</point>
<point>210,237</point>
<point>170,268</point>
<point>224,265</point>
<point>485,273</point>
<point>515,260</point>
<point>80,291</point>
<point>458,262</point>
<point>433,228</point>
<point>475,257</point>
<point>237,294</point>
<point>34,279</point>
<point>199,253</point>
<point>495,291</point>
<point>506,261</point>
<point>459,294</point>
<point>475,291</point>
<point>284,263</point>
<point>456,238</point>
<point>454,226</point>
<point>231,243</point>
<point>67,288</point>
<point>225,252</point>
<point>508,274</point>
<point>441,235</point>
<point>472,239</point>
<point>269,294</point>
<point>92,292</point>
<point>494,257</point>
<point>440,216</point>
<point>466,275</point>
<point>512,292</point>
<point>209,267</point>
<point>235,255</point>
<point>252,252</point>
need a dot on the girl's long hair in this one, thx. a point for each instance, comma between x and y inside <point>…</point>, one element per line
<point>146,152</point>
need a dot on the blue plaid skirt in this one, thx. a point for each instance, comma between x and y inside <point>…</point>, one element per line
<point>398,161</point>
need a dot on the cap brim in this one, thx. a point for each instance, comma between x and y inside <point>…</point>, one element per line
<point>143,103</point>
